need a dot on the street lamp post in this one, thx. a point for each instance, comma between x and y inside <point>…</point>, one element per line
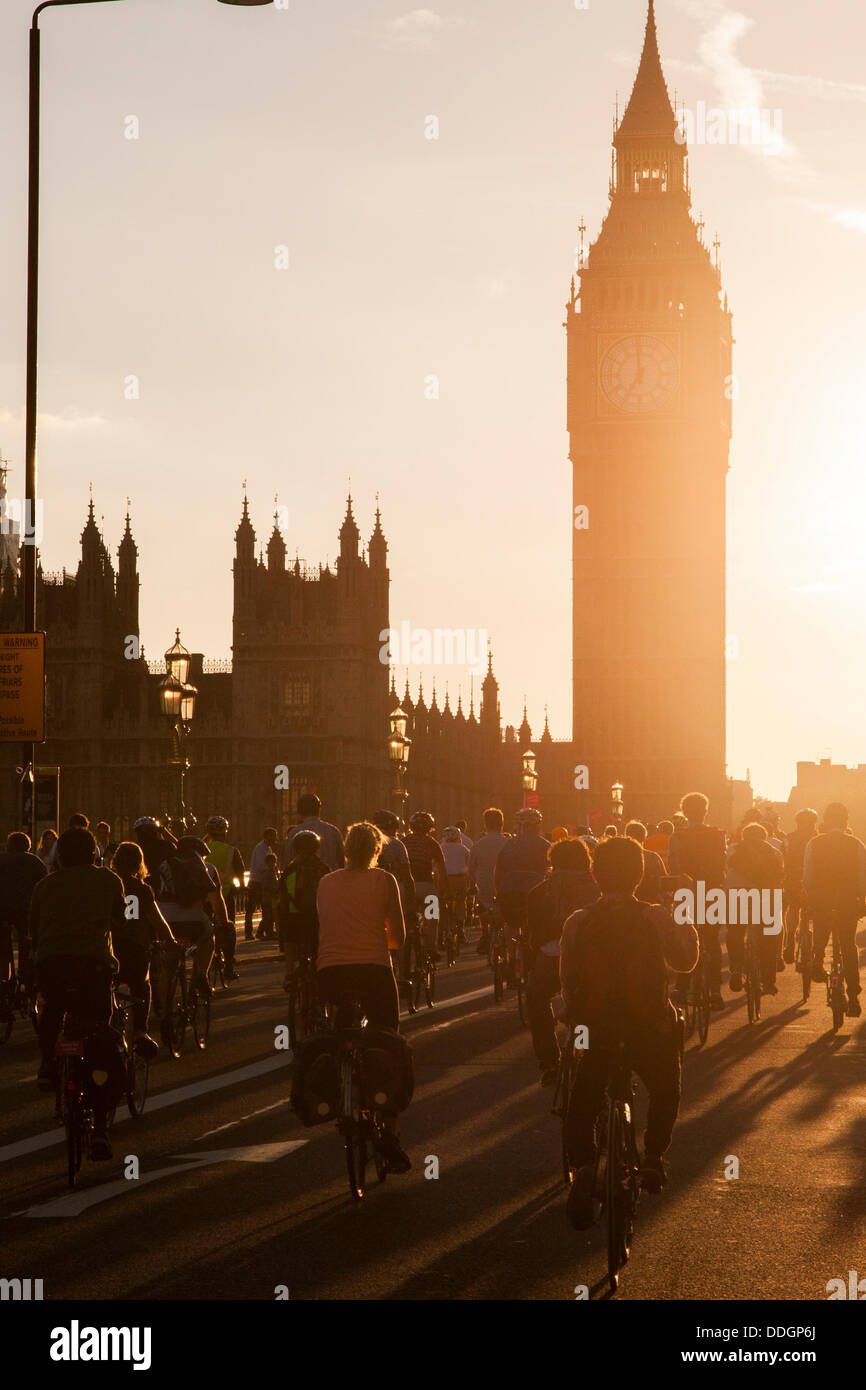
<point>177,701</point>
<point>616,807</point>
<point>29,561</point>
<point>530,775</point>
<point>398,751</point>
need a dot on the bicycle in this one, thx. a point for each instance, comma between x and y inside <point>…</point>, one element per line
<point>360,1124</point>
<point>183,1002</point>
<point>803,954</point>
<point>566,1066</point>
<point>216,974</point>
<point>496,952</point>
<point>619,1157</point>
<point>752,976</point>
<point>305,1011</point>
<point>697,1007</point>
<point>421,976</point>
<point>836,985</point>
<point>16,1000</point>
<point>450,935</point>
<point>136,1065</point>
<point>74,1108</point>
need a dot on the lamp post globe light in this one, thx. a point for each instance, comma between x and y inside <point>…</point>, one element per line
<point>398,751</point>
<point>177,702</point>
<point>29,562</point>
<point>530,778</point>
<point>616,806</point>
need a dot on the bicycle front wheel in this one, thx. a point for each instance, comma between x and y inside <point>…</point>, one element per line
<point>621,1179</point>
<point>356,1159</point>
<point>498,982</point>
<point>137,1074</point>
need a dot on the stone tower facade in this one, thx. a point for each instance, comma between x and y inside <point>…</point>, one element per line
<point>649,422</point>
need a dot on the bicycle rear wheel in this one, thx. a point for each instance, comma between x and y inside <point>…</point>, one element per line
<point>498,981</point>
<point>753,985</point>
<point>200,1018</point>
<point>174,1017</point>
<point>137,1074</point>
<point>356,1158</point>
<point>430,984</point>
<point>217,972</point>
<point>70,1110</point>
<point>295,1012</point>
<point>621,1185</point>
<point>702,1002</point>
<point>803,962</point>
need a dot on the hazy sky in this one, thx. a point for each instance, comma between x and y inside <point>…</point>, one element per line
<point>409,257</point>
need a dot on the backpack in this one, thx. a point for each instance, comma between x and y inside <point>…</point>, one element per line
<point>387,1073</point>
<point>187,882</point>
<point>622,967</point>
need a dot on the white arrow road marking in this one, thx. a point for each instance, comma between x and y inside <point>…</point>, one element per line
<point>74,1203</point>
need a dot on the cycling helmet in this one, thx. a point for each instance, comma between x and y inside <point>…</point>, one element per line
<point>146,822</point>
<point>528,816</point>
<point>385,821</point>
<point>806,814</point>
<point>191,844</point>
<point>451,834</point>
<point>422,820</point>
<point>217,824</point>
<point>305,840</point>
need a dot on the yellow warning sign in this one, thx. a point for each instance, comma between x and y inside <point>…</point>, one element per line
<point>22,687</point>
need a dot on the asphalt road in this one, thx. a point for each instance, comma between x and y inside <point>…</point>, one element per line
<point>235,1198</point>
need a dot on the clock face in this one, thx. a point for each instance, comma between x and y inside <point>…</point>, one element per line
<point>639,374</point>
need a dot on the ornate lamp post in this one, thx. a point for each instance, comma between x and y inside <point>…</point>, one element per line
<point>398,751</point>
<point>177,701</point>
<point>530,777</point>
<point>616,807</point>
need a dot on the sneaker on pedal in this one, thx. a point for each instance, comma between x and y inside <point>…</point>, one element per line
<point>146,1045</point>
<point>653,1173</point>
<point>852,1008</point>
<point>579,1207</point>
<point>819,974</point>
<point>395,1155</point>
<point>735,983</point>
<point>231,973</point>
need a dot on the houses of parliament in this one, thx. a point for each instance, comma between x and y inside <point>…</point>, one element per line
<point>649,425</point>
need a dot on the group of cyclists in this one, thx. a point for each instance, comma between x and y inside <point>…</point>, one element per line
<point>590,926</point>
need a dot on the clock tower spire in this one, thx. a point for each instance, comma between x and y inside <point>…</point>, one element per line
<point>649,422</point>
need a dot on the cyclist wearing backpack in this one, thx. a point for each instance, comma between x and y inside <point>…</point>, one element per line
<point>229,864</point>
<point>186,891</point>
<point>298,915</point>
<point>834,881</point>
<point>568,886</point>
<point>614,982</point>
<point>699,851</point>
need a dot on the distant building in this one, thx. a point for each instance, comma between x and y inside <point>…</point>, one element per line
<point>820,783</point>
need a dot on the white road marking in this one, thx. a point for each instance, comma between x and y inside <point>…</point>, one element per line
<point>278,1105</point>
<point>160,1102</point>
<point>220,1082</point>
<point>74,1203</point>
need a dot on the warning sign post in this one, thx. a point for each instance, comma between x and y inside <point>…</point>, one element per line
<point>22,687</point>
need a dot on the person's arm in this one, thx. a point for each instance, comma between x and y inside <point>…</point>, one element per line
<point>861,869</point>
<point>159,927</point>
<point>238,867</point>
<point>567,967</point>
<point>395,924</point>
<point>339,850</point>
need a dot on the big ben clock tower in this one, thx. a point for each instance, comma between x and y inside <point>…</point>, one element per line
<point>649,422</point>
